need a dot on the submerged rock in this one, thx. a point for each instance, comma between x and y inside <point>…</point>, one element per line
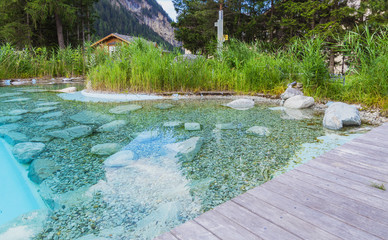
<point>105,149</point>
<point>89,117</point>
<point>72,133</point>
<point>120,159</point>
<point>163,106</point>
<point>124,109</point>
<point>17,112</point>
<point>26,152</point>
<point>298,114</point>
<point>339,114</point>
<point>172,124</point>
<point>42,168</point>
<point>192,126</point>
<point>186,149</point>
<point>147,136</point>
<point>258,131</point>
<point>112,126</point>
<point>226,126</point>
<point>48,124</point>
<point>43,109</point>
<point>45,104</point>
<point>9,127</point>
<point>66,90</point>
<point>51,115</point>
<point>241,104</point>
<point>290,92</point>
<point>41,139</point>
<point>16,100</point>
<point>10,119</point>
<point>12,137</point>
<point>299,102</point>
<point>10,94</point>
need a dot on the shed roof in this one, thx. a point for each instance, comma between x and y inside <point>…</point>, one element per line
<point>122,37</point>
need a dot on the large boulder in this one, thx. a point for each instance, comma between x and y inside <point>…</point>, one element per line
<point>290,92</point>
<point>339,114</point>
<point>120,159</point>
<point>42,168</point>
<point>112,126</point>
<point>299,101</point>
<point>105,149</point>
<point>26,152</point>
<point>72,133</point>
<point>241,104</point>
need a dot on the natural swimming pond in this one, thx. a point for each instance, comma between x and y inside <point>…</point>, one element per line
<point>162,174</point>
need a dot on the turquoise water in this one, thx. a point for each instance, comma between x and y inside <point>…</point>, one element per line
<point>16,195</point>
<point>160,186</point>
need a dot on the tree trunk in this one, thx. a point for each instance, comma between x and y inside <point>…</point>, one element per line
<point>58,21</point>
<point>332,62</point>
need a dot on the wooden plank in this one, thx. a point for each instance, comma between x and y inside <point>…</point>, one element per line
<point>363,152</point>
<point>256,224</point>
<point>367,149</point>
<point>346,203</point>
<point>370,145</point>
<point>370,141</point>
<point>166,236</point>
<point>192,231</point>
<point>323,221</point>
<point>224,227</point>
<point>368,227</point>
<point>336,179</point>
<point>301,228</point>
<point>347,192</point>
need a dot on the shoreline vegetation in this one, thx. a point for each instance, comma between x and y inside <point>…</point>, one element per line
<point>242,68</point>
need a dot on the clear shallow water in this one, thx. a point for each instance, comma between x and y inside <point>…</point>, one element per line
<point>159,189</point>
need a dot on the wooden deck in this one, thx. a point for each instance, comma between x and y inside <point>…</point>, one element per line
<point>330,197</point>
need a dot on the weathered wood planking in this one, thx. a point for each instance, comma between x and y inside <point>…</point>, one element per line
<point>331,197</point>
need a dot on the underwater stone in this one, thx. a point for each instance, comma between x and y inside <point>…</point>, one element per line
<point>341,114</point>
<point>41,139</point>
<point>16,100</point>
<point>48,124</point>
<point>10,119</point>
<point>44,104</point>
<point>42,168</point>
<point>10,94</point>
<point>9,127</point>
<point>299,102</point>
<point>290,92</point>
<point>163,106</point>
<point>72,133</point>
<point>25,152</point>
<point>225,126</point>
<point>43,109</point>
<point>112,126</point>
<point>192,126</point>
<point>172,124</point>
<point>89,117</point>
<point>105,149</point>
<point>13,137</point>
<point>17,112</point>
<point>298,114</point>
<point>119,159</point>
<point>51,115</point>
<point>124,109</point>
<point>241,104</point>
<point>146,136</point>
<point>186,149</point>
<point>258,131</point>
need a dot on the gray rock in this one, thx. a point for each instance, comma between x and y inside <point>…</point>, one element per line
<point>13,137</point>
<point>241,104</point>
<point>339,114</point>
<point>163,106</point>
<point>43,109</point>
<point>226,126</point>
<point>10,119</point>
<point>258,131</point>
<point>16,100</point>
<point>26,152</point>
<point>17,112</point>
<point>112,126</point>
<point>72,133</point>
<point>186,149</point>
<point>51,115</point>
<point>290,92</point>
<point>120,159</point>
<point>124,109</point>
<point>299,102</point>
<point>42,168</point>
<point>48,124</point>
<point>187,57</point>
<point>10,94</point>
<point>192,126</point>
<point>105,149</point>
<point>88,117</point>
<point>172,124</point>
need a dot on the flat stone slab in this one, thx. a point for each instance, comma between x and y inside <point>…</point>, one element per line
<point>106,149</point>
<point>120,159</point>
<point>192,126</point>
<point>13,137</point>
<point>34,90</point>
<point>11,94</point>
<point>43,109</point>
<point>124,109</point>
<point>112,126</point>
<point>258,131</point>
<point>72,133</point>
<point>226,126</point>
<point>9,127</point>
<point>172,124</point>
<point>26,152</point>
<point>41,139</point>
<point>164,106</point>
<point>186,149</point>
<point>241,104</point>
<point>48,124</point>
<point>10,119</point>
<point>89,117</point>
<point>51,115</point>
<point>42,168</point>
<point>17,100</point>
<point>45,104</point>
<point>147,136</point>
<point>17,112</point>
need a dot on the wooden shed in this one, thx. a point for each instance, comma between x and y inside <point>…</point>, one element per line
<point>112,40</point>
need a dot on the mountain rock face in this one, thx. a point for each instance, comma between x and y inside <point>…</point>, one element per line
<point>150,13</point>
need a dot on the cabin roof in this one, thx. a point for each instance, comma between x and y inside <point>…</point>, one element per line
<point>124,38</point>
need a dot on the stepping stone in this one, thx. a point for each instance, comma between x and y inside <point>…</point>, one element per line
<point>9,127</point>
<point>17,112</point>
<point>120,159</point>
<point>10,119</point>
<point>72,133</point>
<point>147,136</point>
<point>186,149</point>
<point>43,109</point>
<point>41,139</point>
<point>258,131</point>
<point>241,104</point>
<point>34,90</point>
<point>42,168</point>
<point>226,126</point>
<point>48,125</point>
<point>172,124</point>
<point>26,152</point>
<point>192,126</point>
<point>13,137</point>
<point>10,94</point>
<point>164,106</point>
<point>124,109</point>
<point>89,117</point>
<point>51,115</point>
<point>45,104</point>
<point>105,149</point>
<point>112,126</point>
<point>17,100</point>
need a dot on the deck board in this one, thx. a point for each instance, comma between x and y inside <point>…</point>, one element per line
<point>330,197</point>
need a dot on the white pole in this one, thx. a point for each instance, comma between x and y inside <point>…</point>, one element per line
<point>220,30</point>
